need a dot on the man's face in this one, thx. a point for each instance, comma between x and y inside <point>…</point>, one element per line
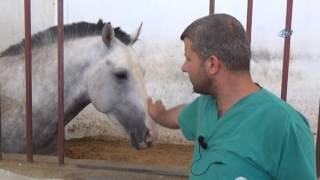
<point>195,67</point>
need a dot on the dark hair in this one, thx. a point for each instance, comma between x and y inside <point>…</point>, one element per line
<point>223,36</point>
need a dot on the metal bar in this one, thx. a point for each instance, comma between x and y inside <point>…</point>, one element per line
<point>0,129</point>
<point>286,53</point>
<point>28,70</point>
<point>318,144</point>
<point>211,6</point>
<point>60,84</point>
<point>249,19</point>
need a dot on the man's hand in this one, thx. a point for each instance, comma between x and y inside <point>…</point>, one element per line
<point>156,110</point>
<point>166,118</point>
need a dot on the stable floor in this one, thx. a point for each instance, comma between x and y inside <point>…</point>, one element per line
<point>15,166</point>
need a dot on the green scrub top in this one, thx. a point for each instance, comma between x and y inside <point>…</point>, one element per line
<point>260,137</point>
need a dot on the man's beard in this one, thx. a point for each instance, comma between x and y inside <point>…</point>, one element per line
<point>204,86</point>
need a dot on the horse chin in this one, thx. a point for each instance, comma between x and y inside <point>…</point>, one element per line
<point>140,145</point>
<point>134,142</point>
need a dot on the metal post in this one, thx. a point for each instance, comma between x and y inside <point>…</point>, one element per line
<point>0,129</point>
<point>318,144</point>
<point>60,83</point>
<point>249,19</point>
<point>211,6</point>
<point>286,52</point>
<point>28,70</point>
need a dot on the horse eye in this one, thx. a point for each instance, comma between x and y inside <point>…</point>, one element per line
<point>121,75</point>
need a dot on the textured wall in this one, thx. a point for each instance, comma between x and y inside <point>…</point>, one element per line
<point>162,52</point>
<point>12,19</point>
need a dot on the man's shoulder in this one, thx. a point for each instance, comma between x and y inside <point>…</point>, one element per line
<point>274,102</point>
<point>281,110</point>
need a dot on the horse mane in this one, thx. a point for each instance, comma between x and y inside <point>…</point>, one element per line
<point>71,31</point>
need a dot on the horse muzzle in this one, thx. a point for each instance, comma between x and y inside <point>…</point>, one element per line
<point>141,145</point>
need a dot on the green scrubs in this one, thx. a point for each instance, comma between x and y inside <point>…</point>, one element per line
<point>260,137</point>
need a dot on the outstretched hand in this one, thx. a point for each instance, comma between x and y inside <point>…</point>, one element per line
<point>167,118</point>
<point>156,109</point>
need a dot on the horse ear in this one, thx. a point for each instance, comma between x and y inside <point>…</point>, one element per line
<point>135,35</point>
<point>107,34</point>
<point>100,24</point>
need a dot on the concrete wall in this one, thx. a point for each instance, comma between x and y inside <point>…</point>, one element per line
<point>43,13</point>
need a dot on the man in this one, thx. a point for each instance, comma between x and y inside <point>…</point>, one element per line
<point>241,130</point>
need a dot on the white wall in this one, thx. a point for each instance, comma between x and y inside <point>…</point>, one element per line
<point>43,13</point>
<point>165,19</point>
<point>161,50</point>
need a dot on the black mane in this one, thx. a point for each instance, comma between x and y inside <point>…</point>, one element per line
<point>71,31</point>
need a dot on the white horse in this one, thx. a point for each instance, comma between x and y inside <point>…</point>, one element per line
<point>101,68</point>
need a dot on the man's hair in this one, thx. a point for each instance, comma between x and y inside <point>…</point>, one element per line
<point>223,36</point>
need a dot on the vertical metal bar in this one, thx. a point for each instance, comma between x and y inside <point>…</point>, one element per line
<point>318,144</point>
<point>286,53</point>
<point>60,84</point>
<point>0,129</point>
<point>249,19</point>
<point>28,70</point>
<point>211,6</point>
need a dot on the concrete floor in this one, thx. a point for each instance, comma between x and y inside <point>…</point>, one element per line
<point>45,167</point>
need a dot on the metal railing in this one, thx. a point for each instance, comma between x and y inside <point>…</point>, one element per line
<point>28,70</point>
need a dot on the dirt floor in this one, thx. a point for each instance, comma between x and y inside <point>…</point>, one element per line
<point>115,149</point>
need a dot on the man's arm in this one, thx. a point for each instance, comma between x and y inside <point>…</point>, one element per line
<point>167,118</point>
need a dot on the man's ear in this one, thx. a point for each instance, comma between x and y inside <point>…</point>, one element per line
<point>213,65</point>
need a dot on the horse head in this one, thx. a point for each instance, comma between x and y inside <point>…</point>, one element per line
<point>116,87</point>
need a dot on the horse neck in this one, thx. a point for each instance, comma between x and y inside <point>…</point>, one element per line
<point>75,86</point>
